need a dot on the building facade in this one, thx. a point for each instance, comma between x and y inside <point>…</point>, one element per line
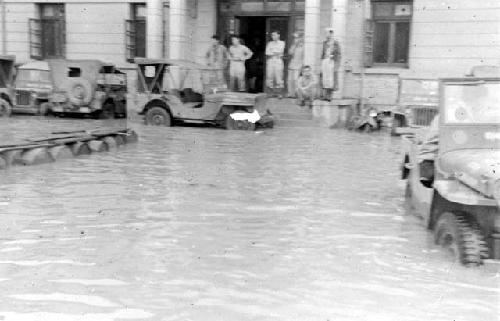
<point>382,41</point>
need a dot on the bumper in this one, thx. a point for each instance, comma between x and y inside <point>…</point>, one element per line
<point>77,110</point>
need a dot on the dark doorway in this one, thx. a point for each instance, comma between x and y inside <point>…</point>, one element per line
<point>256,32</point>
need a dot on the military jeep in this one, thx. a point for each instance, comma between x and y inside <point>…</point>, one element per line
<point>461,205</point>
<point>88,87</point>
<point>172,91</point>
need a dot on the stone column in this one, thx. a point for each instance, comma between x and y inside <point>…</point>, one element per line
<point>154,29</point>
<point>179,35</point>
<point>339,19</point>
<point>312,33</point>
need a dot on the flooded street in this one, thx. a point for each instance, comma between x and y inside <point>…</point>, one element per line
<point>205,224</point>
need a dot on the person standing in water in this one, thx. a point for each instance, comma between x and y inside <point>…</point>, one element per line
<point>217,58</point>
<point>296,53</point>
<point>330,63</point>
<point>275,66</point>
<point>238,54</point>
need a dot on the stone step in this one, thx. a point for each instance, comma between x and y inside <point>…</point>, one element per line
<point>292,115</point>
<point>295,123</point>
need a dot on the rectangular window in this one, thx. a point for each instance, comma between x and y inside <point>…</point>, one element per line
<point>390,38</point>
<point>48,33</point>
<point>136,31</point>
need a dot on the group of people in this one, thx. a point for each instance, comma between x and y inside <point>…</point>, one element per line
<point>301,81</point>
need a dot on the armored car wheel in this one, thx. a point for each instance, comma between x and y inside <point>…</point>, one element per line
<point>462,238</point>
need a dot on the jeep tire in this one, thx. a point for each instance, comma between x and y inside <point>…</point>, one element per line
<point>462,237</point>
<point>158,116</point>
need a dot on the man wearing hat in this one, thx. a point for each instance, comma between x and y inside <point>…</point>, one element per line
<point>330,63</point>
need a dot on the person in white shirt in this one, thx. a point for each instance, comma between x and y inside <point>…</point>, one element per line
<point>238,54</point>
<point>274,69</point>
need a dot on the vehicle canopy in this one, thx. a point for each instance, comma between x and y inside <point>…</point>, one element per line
<point>469,132</point>
<point>158,75</point>
<point>62,69</point>
<point>6,70</point>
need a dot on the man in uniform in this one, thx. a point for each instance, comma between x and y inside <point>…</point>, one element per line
<point>274,72</point>
<point>217,58</point>
<point>238,54</point>
<point>296,52</point>
<point>330,63</point>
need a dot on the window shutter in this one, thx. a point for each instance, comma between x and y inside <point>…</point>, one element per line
<point>61,23</point>
<point>129,39</point>
<point>35,33</point>
<point>368,43</point>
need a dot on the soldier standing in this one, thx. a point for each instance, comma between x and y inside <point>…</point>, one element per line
<point>217,58</point>
<point>330,63</point>
<point>275,66</point>
<point>238,54</point>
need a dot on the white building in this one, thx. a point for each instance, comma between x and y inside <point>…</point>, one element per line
<point>383,40</point>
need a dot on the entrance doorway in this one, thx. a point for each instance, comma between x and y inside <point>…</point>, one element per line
<point>255,32</point>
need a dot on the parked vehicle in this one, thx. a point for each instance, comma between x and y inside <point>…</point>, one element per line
<point>62,87</point>
<point>33,87</point>
<point>176,90</point>
<point>462,204</point>
<point>6,85</point>
<point>417,106</point>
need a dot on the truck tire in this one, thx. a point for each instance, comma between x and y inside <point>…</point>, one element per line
<point>231,124</point>
<point>462,238</point>
<point>79,91</point>
<point>158,116</point>
<point>5,108</point>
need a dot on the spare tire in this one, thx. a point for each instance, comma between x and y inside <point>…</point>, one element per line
<point>79,91</point>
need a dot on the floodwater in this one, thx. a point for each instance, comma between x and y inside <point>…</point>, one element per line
<point>205,224</point>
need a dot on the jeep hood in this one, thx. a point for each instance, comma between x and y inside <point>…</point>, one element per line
<point>477,168</point>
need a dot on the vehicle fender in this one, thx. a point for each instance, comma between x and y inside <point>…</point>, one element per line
<point>157,102</point>
<point>457,192</point>
<point>5,96</point>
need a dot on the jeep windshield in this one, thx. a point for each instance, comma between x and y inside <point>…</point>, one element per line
<point>472,102</point>
<point>33,78</point>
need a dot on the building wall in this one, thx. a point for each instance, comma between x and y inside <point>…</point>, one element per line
<point>447,37</point>
<point>95,29</point>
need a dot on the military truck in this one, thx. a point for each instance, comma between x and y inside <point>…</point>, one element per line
<point>69,87</point>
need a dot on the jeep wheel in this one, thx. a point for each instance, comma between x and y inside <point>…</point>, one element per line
<point>231,124</point>
<point>158,116</point>
<point>107,111</point>
<point>5,108</point>
<point>462,238</point>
